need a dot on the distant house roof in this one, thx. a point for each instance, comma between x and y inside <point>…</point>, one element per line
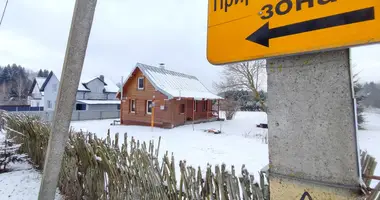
<point>38,81</point>
<point>82,88</point>
<point>46,81</point>
<point>174,84</point>
<point>13,102</point>
<point>41,82</point>
<point>99,102</point>
<point>86,80</point>
<point>109,85</point>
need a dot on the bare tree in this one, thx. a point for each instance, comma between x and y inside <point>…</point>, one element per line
<point>244,75</point>
<point>230,107</point>
<point>20,88</point>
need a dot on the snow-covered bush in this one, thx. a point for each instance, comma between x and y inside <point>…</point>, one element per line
<point>230,107</point>
<point>8,150</point>
<point>8,154</point>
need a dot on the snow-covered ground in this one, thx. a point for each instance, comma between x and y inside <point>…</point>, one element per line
<point>237,144</point>
<point>240,143</point>
<point>369,139</point>
<point>22,183</point>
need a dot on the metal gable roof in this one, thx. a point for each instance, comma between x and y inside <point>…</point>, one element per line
<point>174,84</point>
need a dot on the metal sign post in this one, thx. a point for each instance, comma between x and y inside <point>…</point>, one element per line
<point>72,68</point>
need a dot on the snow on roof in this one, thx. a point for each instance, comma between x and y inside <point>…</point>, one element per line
<point>175,84</point>
<point>40,81</point>
<point>83,80</point>
<point>82,88</point>
<point>94,102</point>
<point>111,86</point>
<point>86,80</point>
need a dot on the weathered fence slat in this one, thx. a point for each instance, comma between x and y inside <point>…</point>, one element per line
<point>127,169</point>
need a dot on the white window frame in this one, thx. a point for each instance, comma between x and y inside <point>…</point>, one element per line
<point>147,108</point>
<point>138,83</point>
<point>133,101</point>
<point>195,105</point>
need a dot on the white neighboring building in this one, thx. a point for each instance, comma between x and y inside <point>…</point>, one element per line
<point>36,96</point>
<point>44,92</point>
<point>96,94</point>
<point>50,91</point>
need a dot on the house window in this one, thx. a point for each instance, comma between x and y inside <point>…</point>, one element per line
<point>49,104</point>
<point>132,107</point>
<point>80,107</point>
<point>205,105</point>
<point>195,106</point>
<point>140,83</point>
<point>182,108</point>
<point>149,107</point>
<point>55,87</point>
<point>118,106</point>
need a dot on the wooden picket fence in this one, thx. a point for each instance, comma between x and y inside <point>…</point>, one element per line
<point>368,166</point>
<point>95,168</point>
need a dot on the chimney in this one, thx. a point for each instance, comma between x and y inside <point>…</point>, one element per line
<point>101,77</point>
<point>162,65</point>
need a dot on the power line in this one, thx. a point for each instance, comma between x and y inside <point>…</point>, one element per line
<point>2,16</point>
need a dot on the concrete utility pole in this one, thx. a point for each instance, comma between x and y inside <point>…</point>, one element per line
<point>312,127</point>
<point>72,68</point>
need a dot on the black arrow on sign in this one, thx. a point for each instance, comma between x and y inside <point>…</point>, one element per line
<point>264,34</point>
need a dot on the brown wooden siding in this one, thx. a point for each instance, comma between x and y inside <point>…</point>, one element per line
<point>130,91</point>
<point>169,117</point>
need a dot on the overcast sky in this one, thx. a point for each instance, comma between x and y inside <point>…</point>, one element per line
<point>34,34</point>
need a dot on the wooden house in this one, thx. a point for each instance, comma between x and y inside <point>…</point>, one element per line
<point>155,96</point>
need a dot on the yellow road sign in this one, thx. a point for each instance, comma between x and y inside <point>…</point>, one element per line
<point>240,30</point>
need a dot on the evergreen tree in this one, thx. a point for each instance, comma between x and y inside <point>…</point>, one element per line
<point>40,73</point>
<point>360,96</point>
<point>43,73</point>
<point>5,75</point>
<point>46,73</point>
<point>15,78</point>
